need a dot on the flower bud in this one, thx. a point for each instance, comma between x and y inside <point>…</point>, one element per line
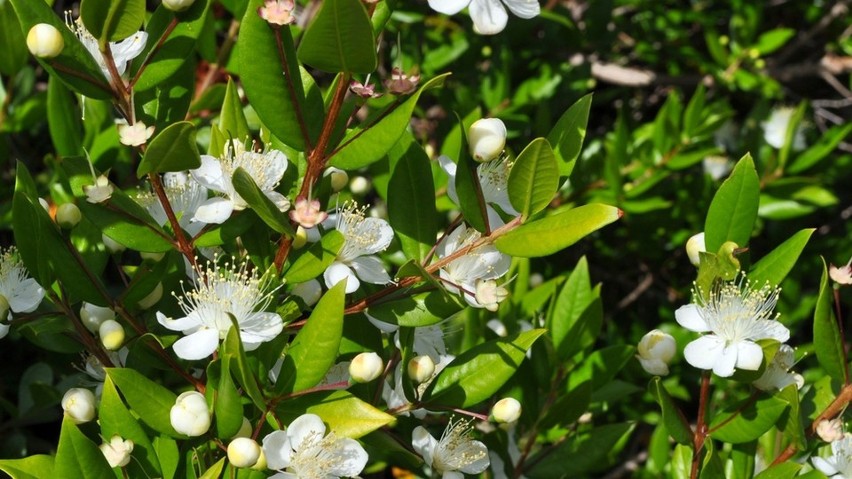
<point>310,291</point>
<point>695,246</point>
<point>301,238</point>
<point>308,213</point>
<point>489,294</point>
<point>178,5</point>
<point>830,430</point>
<point>79,405</point>
<point>359,186</point>
<point>112,334</point>
<point>136,134</point>
<point>245,429</point>
<point>243,452</point>
<point>506,410</point>
<point>421,368</point>
<point>190,416</point>
<point>92,316</point>
<point>112,245</point>
<point>339,178</point>
<point>45,41</point>
<point>260,465</point>
<point>68,215</point>
<point>153,297</point>
<point>366,367</point>
<point>117,451</point>
<point>487,139</point>
<point>656,350</point>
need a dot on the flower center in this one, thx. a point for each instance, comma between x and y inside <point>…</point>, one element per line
<point>455,449</point>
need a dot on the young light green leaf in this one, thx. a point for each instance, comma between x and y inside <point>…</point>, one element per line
<point>747,420</point>
<point>734,207</point>
<point>214,471</point>
<point>112,20</point>
<point>345,414</point>
<point>340,39</point>
<point>316,259</point>
<point>174,149</point>
<point>167,453</point>
<point>828,342</point>
<point>773,267</point>
<point>534,178</point>
<point>553,233</point>
<point>568,134</point>
<point>77,456</point>
<point>37,466</point>
<point>260,203</point>
<point>774,39</point>
<point>576,295</point>
<point>116,420</point>
<point>411,198</point>
<point>146,398</point>
<point>785,470</point>
<point>827,142</point>
<point>673,418</point>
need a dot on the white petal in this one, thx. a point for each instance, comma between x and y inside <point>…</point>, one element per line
<point>689,317</point>
<point>128,49</point>
<point>824,466</point>
<point>216,210</point>
<point>210,174</point>
<point>261,327</point>
<point>772,329</point>
<point>304,426</point>
<point>197,345</point>
<point>283,475</point>
<point>188,322</point>
<point>489,16</point>
<point>277,449</point>
<point>448,7</point>
<point>382,325</point>
<point>452,475</point>
<point>450,169</point>
<point>370,226</point>
<point>423,443</point>
<point>749,356</point>
<point>4,330</point>
<point>370,269</point>
<point>656,367</point>
<point>26,296</point>
<point>351,458</point>
<point>524,8</point>
<point>726,362</point>
<point>480,464</point>
<point>704,351</point>
<point>337,272</point>
<point>276,165</point>
<point>280,201</point>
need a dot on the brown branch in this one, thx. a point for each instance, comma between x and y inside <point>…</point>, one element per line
<point>701,426</point>
<point>183,245</point>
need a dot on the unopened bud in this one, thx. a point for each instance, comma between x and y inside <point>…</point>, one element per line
<point>93,316</point>
<point>830,430</point>
<point>68,215</point>
<point>178,5</point>
<point>506,410</point>
<point>112,245</point>
<point>308,213</point>
<point>301,238</point>
<point>656,350</point>
<point>487,139</point>
<point>695,246</point>
<point>79,405</point>
<point>245,429</point>
<point>153,297</point>
<point>421,368</point>
<point>45,41</point>
<point>359,186</point>
<point>112,334</point>
<point>243,452</point>
<point>190,416</point>
<point>339,178</point>
<point>366,367</point>
<point>117,451</point>
<point>310,291</point>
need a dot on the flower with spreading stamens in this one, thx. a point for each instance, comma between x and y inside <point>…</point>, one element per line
<point>364,237</point>
<point>777,374</point>
<point>18,292</point>
<point>185,197</point>
<point>482,263</point>
<point>455,453</point>
<point>839,464</point>
<point>494,181</point>
<point>489,16</point>
<point>222,292</point>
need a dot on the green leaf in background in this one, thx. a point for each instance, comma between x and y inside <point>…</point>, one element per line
<point>77,456</point>
<point>173,149</point>
<point>828,342</point>
<point>734,207</point>
<point>232,119</point>
<point>227,407</point>
<point>673,418</point>
<point>264,207</point>
<point>422,309</point>
<point>601,366</point>
<point>340,39</point>
<point>37,466</point>
<point>478,373</point>
<point>112,20</point>
<point>773,267</point>
<point>556,232</point>
<point>793,428</point>
<point>693,112</point>
<point>827,142</point>
<point>772,40</point>
<point>146,398</point>
<point>344,413</point>
<point>14,54</point>
<point>568,134</point>
<point>63,119</point>
<point>411,198</point>
<point>747,420</point>
<point>116,420</point>
<point>588,451</point>
<point>785,470</point>
<point>316,259</point>
<point>314,349</point>
<point>364,145</point>
<point>534,178</point>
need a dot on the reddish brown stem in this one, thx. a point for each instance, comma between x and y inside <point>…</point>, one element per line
<point>830,412</point>
<point>183,244</point>
<point>701,425</point>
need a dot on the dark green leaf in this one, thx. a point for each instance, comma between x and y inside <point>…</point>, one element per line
<point>534,178</point>
<point>227,407</point>
<point>747,420</point>
<point>116,420</point>
<point>340,39</point>
<point>601,366</point>
<point>173,149</point>
<point>828,342</point>
<point>260,203</point>
<point>77,456</point>
<point>14,56</point>
<point>592,450</point>
<point>417,310</point>
<point>411,199</point>
<point>734,207</point>
<point>63,119</point>
<point>232,119</point>
<point>828,141</point>
<point>673,418</point>
<point>146,398</point>
<point>316,259</point>
<point>233,347</point>
<point>112,20</point>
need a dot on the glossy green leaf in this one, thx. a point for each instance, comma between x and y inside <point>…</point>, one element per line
<point>734,207</point>
<point>785,470</point>
<point>227,407</point>
<point>827,142</point>
<point>146,398</point>
<point>747,420</point>
<point>601,366</point>
<point>63,119</point>
<point>260,203</point>
<point>534,178</point>
<point>344,413</point>
<point>232,119</point>
<point>340,39</point>
<point>568,134</point>
<point>673,418</point>
<point>411,199</point>
<point>37,466</point>
<point>169,102</point>
<point>574,297</point>
<point>244,373</point>
<point>469,189</point>
<point>214,471</point>
<point>116,420</point>
<point>591,450</point>
<point>314,261</point>
<point>174,149</point>
<point>793,428</point>
<point>478,373</point>
<point>112,20</point>
<point>14,56</point>
<point>828,342</point>
<point>314,349</point>
<point>773,267</point>
<point>423,309</point>
<point>556,232</point>
<point>364,145</point>
<point>167,453</point>
<point>233,227</point>
<point>77,456</point>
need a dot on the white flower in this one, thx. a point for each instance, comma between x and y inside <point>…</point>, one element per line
<point>489,294</point>
<point>364,237</point>
<point>98,192</point>
<point>122,52</point>
<point>656,350</point>
<point>44,40</point>
<point>18,292</point>
<point>117,451</point>
<point>777,375</point>
<point>185,194</point>
<point>455,453</point>
<point>489,16</point>
<point>306,452</point>
<point>79,405</point>
<point>134,135</point>
<point>483,263</point>
<point>487,138</point>
<point>219,293</point>
<point>736,316</point>
<point>394,393</point>
<point>506,410</point>
<point>775,129</point>
<point>266,169</point>
<point>842,274</point>
<point>694,247</point>
<point>717,166</point>
<point>366,367</point>
<point>310,291</point>
<point>243,452</point>
<point>830,430</point>
<point>494,181</point>
<point>839,464</point>
<point>190,415</point>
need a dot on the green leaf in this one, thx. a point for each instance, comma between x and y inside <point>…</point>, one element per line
<point>63,119</point>
<point>568,134</point>
<point>573,299</point>
<point>37,466</point>
<point>793,427</point>
<point>827,142</point>
<point>167,452</point>
<point>112,20</point>
<point>340,39</point>
<point>77,456</point>
<point>534,178</point>
<point>747,420</point>
<point>556,232</point>
<point>734,207</point>
<point>314,349</point>
<point>774,39</point>
<point>479,372</point>
<point>588,451</point>
<point>785,470</point>
<point>146,398</point>
<point>601,366</point>
<point>417,310</point>
<point>260,203</point>
<point>316,259</point>
<point>232,119</point>
<point>568,408</point>
<point>773,267</point>
<point>214,471</point>
<point>694,111</point>
<point>469,188</point>
<point>365,145</point>
<point>673,418</point>
<point>14,56</point>
<point>227,407</point>
<point>411,199</point>
<point>792,127</point>
<point>233,347</point>
<point>116,420</point>
<point>828,342</point>
<point>174,149</point>
<point>344,413</point>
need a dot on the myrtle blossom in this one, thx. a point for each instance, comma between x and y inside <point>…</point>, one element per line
<point>18,292</point>
<point>122,52</point>
<point>777,375</point>
<point>455,453</point>
<point>775,129</point>
<point>278,12</point>
<point>364,237</point>
<point>839,464</point>
<point>304,451</point>
<point>393,393</point>
<point>736,316</point>
<point>489,16</point>
<point>494,181</point>
<point>460,276</point>
<point>841,275</point>
<point>185,197</point>
<point>222,292</point>
<point>216,174</point>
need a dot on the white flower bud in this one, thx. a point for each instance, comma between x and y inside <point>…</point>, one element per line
<point>694,246</point>
<point>112,335</point>
<point>243,452</point>
<point>117,451</point>
<point>830,430</point>
<point>536,279</point>
<point>92,316</point>
<point>339,178</point>
<point>153,297</point>
<point>190,416</point>
<point>487,138</point>
<point>112,245</point>
<point>79,405</point>
<point>366,367</point>
<point>153,257</point>
<point>68,215</point>
<point>506,410</point>
<point>656,350</point>
<point>310,291</point>
<point>421,368</point>
<point>45,41</point>
<point>178,5</point>
<point>301,238</point>
<point>359,186</point>
<point>245,429</point>
<point>489,294</point>
<point>100,191</point>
